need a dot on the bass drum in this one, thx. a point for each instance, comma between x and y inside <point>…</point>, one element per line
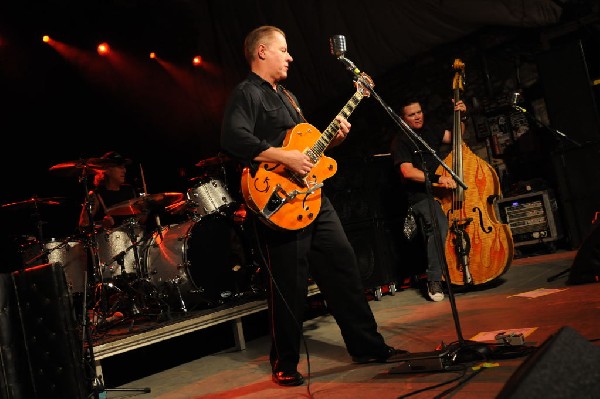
<point>200,263</point>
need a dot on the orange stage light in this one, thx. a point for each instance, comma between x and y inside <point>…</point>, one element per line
<point>103,48</point>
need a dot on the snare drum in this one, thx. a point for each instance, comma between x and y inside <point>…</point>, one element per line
<point>199,263</point>
<point>209,196</point>
<point>117,252</point>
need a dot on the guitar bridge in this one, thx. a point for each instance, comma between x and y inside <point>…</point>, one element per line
<point>276,201</point>
<point>279,197</point>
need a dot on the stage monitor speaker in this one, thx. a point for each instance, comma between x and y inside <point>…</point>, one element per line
<point>53,342</point>
<point>564,366</point>
<point>15,382</point>
<point>586,265</point>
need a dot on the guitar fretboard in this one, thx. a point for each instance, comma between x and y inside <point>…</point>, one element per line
<point>323,142</point>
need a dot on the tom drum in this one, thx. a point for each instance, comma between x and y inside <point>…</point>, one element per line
<point>119,251</point>
<point>72,256</point>
<point>209,196</point>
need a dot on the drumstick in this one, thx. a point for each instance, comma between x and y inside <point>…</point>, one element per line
<point>156,216</point>
<point>102,203</point>
<point>143,180</point>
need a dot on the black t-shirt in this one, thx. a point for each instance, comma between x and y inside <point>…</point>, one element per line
<point>406,149</point>
<point>114,197</point>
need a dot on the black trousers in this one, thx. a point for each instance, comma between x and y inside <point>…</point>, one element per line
<point>322,251</point>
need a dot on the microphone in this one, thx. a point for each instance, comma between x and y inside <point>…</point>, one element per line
<point>514,98</point>
<point>337,45</point>
<point>513,102</point>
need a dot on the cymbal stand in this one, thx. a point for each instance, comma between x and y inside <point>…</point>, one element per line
<point>38,222</point>
<point>96,381</point>
<point>98,389</point>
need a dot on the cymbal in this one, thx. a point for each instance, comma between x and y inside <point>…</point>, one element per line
<point>213,161</point>
<point>75,168</point>
<point>147,202</point>
<point>33,202</point>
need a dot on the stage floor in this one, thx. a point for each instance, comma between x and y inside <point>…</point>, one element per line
<point>206,364</point>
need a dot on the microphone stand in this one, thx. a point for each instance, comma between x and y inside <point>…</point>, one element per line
<point>463,350</point>
<point>539,123</point>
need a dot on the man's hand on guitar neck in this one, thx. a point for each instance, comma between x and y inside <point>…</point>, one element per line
<point>342,132</point>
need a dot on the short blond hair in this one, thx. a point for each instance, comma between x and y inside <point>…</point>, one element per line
<point>255,37</point>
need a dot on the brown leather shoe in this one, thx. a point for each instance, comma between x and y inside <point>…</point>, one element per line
<point>288,378</point>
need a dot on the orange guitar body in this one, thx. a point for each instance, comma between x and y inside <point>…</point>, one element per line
<point>284,199</point>
<point>272,183</point>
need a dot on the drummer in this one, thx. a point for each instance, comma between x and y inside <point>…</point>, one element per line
<point>110,189</point>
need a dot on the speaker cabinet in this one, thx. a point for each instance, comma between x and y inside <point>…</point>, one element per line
<point>47,325</point>
<point>373,244</point>
<point>15,381</point>
<point>577,172</point>
<point>569,95</point>
<point>564,366</point>
<point>586,265</point>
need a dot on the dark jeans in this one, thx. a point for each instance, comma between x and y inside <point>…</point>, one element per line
<point>435,253</point>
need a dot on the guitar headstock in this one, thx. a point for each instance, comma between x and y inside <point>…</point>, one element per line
<point>459,76</point>
<point>363,84</point>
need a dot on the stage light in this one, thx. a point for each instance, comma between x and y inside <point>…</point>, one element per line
<point>197,61</point>
<point>103,48</point>
<point>152,55</point>
<point>46,39</point>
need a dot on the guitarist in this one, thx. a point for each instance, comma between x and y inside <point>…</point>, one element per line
<point>257,117</point>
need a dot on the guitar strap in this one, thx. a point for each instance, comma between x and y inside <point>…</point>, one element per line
<point>293,103</point>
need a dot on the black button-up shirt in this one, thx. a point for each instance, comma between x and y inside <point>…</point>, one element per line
<point>256,118</point>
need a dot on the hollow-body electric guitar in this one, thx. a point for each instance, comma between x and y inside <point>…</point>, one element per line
<point>288,200</point>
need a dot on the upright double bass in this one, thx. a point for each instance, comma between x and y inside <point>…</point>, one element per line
<point>478,247</point>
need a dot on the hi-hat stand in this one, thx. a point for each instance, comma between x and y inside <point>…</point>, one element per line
<point>462,350</point>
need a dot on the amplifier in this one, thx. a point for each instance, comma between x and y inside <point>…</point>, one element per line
<point>532,218</point>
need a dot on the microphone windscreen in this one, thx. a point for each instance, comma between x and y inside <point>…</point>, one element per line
<point>337,45</point>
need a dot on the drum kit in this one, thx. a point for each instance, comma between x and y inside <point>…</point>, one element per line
<point>203,261</point>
